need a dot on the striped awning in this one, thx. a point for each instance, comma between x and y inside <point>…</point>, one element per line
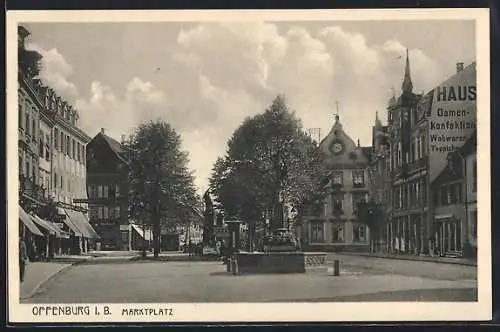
<point>145,235</point>
<point>26,219</point>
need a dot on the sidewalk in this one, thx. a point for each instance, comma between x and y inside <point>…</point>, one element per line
<point>436,259</point>
<point>38,273</point>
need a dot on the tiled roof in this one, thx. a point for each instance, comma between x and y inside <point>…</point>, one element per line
<point>115,146</point>
<point>367,150</point>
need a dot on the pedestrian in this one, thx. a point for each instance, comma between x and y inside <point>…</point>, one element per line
<point>23,258</point>
<point>396,245</point>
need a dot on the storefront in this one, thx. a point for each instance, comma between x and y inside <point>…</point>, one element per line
<point>448,229</point>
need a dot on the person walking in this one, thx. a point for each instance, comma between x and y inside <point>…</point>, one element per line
<point>23,258</point>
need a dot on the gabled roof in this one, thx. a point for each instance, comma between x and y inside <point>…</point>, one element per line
<point>114,145</point>
<point>470,146</point>
<point>367,150</point>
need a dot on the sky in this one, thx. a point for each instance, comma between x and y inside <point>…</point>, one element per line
<point>204,78</point>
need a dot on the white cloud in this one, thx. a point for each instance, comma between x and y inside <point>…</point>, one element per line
<point>119,114</point>
<point>55,71</point>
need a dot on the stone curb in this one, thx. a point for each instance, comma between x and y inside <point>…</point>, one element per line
<point>403,258</point>
<point>51,277</point>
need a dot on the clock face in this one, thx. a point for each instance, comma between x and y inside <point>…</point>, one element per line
<point>337,147</point>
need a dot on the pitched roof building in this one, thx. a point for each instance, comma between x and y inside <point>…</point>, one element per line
<point>334,225</point>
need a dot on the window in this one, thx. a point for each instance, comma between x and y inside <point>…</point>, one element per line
<point>317,234</point>
<point>47,147</point>
<point>20,115</point>
<point>61,182</point>
<point>474,176</point>
<point>424,150</point>
<point>78,152</point>
<point>105,214</point>
<point>93,213</point>
<point>357,200</point>
<point>105,191</point>
<point>73,149</point>
<point>99,192</point>
<point>100,212</point>
<point>358,233</point>
<point>117,212</point>
<point>61,142</point>
<point>338,178</point>
<point>117,191</point>
<point>41,147</point>
<point>68,146</point>
<point>358,178</point>
<point>338,202</point>
<point>92,191</point>
<point>55,180</point>
<point>337,233</point>
<point>28,123</point>
<point>417,193</point>
<point>33,126</point>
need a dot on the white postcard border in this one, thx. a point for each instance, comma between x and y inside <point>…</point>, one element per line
<point>265,312</point>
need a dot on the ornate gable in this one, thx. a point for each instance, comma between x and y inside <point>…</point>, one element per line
<point>339,150</point>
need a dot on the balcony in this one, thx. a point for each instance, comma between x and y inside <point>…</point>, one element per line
<point>31,190</point>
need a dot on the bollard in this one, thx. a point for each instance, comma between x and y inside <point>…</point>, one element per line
<point>336,268</point>
<point>228,264</point>
<point>234,266</point>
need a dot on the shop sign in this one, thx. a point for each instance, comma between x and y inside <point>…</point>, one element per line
<point>451,118</point>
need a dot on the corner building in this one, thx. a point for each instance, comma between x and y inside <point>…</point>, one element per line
<point>407,228</point>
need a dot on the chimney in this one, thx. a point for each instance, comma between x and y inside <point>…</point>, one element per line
<point>460,66</point>
<point>102,131</point>
<point>123,139</point>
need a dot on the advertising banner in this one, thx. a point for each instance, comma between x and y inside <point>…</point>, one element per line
<point>452,117</point>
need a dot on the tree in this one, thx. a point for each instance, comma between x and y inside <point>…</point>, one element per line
<point>28,60</point>
<point>373,216</point>
<point>162,187</point>
<point>270,161</point>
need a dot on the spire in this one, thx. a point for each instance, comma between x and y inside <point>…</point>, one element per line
<point>358,143</point>
<point>377,120</point>
<point>407,85</point>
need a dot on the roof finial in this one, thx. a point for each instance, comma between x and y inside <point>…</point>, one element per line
<point>337,117</point>
<point>358,143</point>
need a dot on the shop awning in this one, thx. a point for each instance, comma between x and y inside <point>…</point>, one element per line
<point>82,224</point>
<point>71,225</point>
<point>148,236</point>
<point>26,219</point>
<point>50,226</point>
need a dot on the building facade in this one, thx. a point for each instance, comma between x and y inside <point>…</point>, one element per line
<point>454,203</point>
<point>48,180</point>
<point>334,225</point>
<point>380,181</point>
<point>108,189</point>
<point>408,212</point>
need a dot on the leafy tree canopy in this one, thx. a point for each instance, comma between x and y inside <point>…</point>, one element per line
<point>268,156</point>
<point>159,177</point>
